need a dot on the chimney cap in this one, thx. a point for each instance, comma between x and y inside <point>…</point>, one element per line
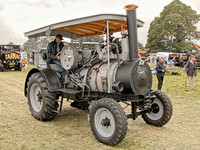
<point>130,7</point>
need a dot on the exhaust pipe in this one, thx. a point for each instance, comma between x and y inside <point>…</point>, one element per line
<point>133,79</point>
<point>132,30</point>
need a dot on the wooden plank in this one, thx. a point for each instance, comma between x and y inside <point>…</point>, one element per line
<point>91,27</point>
<point>95,27</point>
<point>72,31</point>
<point>118,22</point>
<point>80,29</point>
<point>103,24</point>
<point>85,29</point>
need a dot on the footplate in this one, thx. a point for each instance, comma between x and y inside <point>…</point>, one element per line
<point>69,93</point>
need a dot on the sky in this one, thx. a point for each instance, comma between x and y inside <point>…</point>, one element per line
<point>19,16</point>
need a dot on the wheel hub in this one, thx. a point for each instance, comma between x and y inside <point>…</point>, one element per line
<point>105,122</point>
<point>39,96</point>
<point>155,108</point>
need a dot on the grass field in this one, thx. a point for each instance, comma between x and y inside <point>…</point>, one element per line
<point>70,129</point>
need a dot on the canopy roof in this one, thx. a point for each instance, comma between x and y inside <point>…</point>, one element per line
<point>84,27</point>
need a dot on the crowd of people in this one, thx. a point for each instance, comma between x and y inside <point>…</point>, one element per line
<point>25,63</point>
<point>190,70</point>
<point>27,60</point>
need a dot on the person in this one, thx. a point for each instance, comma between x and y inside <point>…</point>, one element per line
<point>161,69</point>
<point>181,60</point>
<point>165,60</point>
<point>23,63</point>
<point>194,53</point>
<point>191,71</point>
<point>157,59</point>
<point>26,63</point>
<point>170,64</point>
<point>53,49</point>
<point>153,60</point>
<point>174,61</point>
<point>33,57</point>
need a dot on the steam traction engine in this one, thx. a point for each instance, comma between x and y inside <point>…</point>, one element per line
<point>10,57</point>
<point>99,79</point>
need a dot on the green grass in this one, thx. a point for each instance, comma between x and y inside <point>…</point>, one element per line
<point>71,130</point>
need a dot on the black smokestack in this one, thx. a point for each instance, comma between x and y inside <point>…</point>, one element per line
<point>132,30</point>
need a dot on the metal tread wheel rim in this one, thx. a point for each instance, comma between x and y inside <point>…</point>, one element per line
<point>156,115</point>
<point>104,130</point>
<point>36,97</point>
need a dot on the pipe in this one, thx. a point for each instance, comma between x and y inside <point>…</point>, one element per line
<point>132,30</point>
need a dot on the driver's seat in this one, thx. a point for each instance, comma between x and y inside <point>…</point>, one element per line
<point>51,65</point>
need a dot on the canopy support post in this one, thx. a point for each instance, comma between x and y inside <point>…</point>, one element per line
<point>108,49</point>
<point>35,43</point>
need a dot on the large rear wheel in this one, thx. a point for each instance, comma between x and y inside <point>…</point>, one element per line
<point>161,110</point>
<point>108,121</point>
<point>42,103</point>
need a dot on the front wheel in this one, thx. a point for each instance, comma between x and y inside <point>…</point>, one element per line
<point>108,121</point>
<point>161,110</point>
<point>20,67</point>
<point>42,103</point>
<point>1,66</point>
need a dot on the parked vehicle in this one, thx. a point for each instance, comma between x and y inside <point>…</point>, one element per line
<point>10,57</point>
<point>176,56</point>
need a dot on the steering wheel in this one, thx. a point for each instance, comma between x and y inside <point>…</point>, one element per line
<point>58,54</point>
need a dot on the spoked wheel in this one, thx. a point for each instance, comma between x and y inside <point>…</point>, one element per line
<point>108,121</point>
<point>161,110</point>
<point>42,103</point>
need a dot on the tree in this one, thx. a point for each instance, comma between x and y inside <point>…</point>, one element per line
<point>93,39</point>
<point>174,29</point>
<point>29,44</point>
<point>140,46</point>
<point>40,42</point>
